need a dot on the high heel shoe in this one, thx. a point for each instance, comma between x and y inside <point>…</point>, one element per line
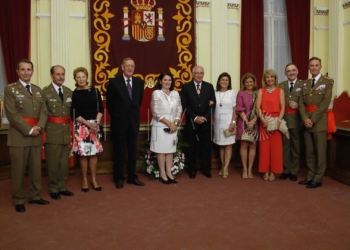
<point>85,189</point>
<point>164,181</point>
<point>250,175</point>
<point>266,176</point>
<point>96,188</point>
<point>221,172</point>
<point>244,174</point>
<point>225,174</point>
<point>272,177</point>
<point>171,180</point>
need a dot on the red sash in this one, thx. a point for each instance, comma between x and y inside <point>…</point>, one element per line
<point>65,120</point>
<point>32,122</point>
<point>291,111</point>
<point>331,127</point>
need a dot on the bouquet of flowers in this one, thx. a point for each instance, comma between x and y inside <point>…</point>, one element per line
<point>149,163</point>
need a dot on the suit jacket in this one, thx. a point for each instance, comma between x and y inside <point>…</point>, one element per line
<point>293,120</point>
<point>124,112</point>
<point>320,95</point>
<point>198,105</point>
<point>19,103</point>
<point>57,133</point>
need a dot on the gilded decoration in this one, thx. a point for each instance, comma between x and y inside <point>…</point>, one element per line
<point>233,6</point>
<point>182,73</point>
<point>202,4</point>
<point>346,5</point>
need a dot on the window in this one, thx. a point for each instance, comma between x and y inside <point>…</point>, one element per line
<point>276,45</point>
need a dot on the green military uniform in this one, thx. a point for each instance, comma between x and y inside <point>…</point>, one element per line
<point>291,147</point>
<point>57,136</point>
<point>20,104</point>
<point>316,137</point>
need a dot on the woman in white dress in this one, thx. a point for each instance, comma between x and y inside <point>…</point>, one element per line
<point>166,110</point>
<point>225,119</point>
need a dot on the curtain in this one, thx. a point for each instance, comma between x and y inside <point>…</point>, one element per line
<point>15,34</point>
<point>298,16</point>
<point>252,38</point>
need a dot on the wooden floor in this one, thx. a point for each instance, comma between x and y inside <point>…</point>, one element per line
<point>203,213</point>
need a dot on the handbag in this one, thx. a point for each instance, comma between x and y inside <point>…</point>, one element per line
<point>250,135</point>
<point>227,132</point>
<point>100,126</point>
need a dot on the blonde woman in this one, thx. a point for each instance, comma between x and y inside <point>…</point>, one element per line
<point>270,103</point>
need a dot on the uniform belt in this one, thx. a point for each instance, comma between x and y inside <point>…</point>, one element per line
<point>55,119</point>
<point>331,127</point>
<point>291,111</point>
<point>311,108</point>
<point>31,121</point>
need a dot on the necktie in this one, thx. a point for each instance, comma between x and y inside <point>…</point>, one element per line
<point>60,94</point>
<point>313,82</point>
<point>28,88</point>
<point>198,89</point>
<point>128,85</point>
<point>291,87</point>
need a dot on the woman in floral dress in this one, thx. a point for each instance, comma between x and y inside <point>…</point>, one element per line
<point>86,111</point>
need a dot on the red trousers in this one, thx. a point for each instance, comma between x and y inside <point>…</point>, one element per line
<point>271,154</point>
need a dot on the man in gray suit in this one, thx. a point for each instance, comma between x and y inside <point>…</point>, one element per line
<point>291,148</point>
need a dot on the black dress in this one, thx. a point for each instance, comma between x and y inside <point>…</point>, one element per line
<point>86,103</point>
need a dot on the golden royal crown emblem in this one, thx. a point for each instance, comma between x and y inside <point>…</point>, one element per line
<point>143,21</point>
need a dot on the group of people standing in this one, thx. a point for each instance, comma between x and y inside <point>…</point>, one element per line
<point>58,119</point>
<point>71,122</point>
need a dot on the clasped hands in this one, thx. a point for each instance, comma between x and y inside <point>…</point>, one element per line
<point>293,105</point>
<point>308,123</point>
<point>36,131</point>
<point>92,127</point>
<point>172,127</point>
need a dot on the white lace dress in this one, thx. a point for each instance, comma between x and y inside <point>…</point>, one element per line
<point>223,116</point>
<point>168,106</point>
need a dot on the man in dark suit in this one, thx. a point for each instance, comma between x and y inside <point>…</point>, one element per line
<point>26,111</point>
<point>291,148</point>
<point>124,98</point>
<point>314,101</point>
<point>198,102</point>
<point>58,99</point>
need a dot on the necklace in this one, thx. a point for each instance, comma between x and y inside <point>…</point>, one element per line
<point>221,98</point>
<point>270,90</point>
<point>166,91</point>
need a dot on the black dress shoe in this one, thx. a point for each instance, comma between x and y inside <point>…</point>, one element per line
<point>20,208</point>
<point>207,174</point>
<point>66,193</point>
<point>284,176</point>
<point>164,181</point>
<point>192,175</point>
<point>293,177</point>
<point>55,196</point>
<point>119,184</point>
<point>40,202</point>
<point>96,188</point>
<point>136,182</point>
<point>306,182</point>
<point>171,180</point>
<point>314,185</point>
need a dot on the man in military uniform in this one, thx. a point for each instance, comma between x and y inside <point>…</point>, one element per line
<point>58,99</point>
<point>26,111</point>
<point>314,101</point>
<point>291,148</point>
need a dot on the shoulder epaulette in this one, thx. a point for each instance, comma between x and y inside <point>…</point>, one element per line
<point>45,87</point>
<point>328,78</point>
